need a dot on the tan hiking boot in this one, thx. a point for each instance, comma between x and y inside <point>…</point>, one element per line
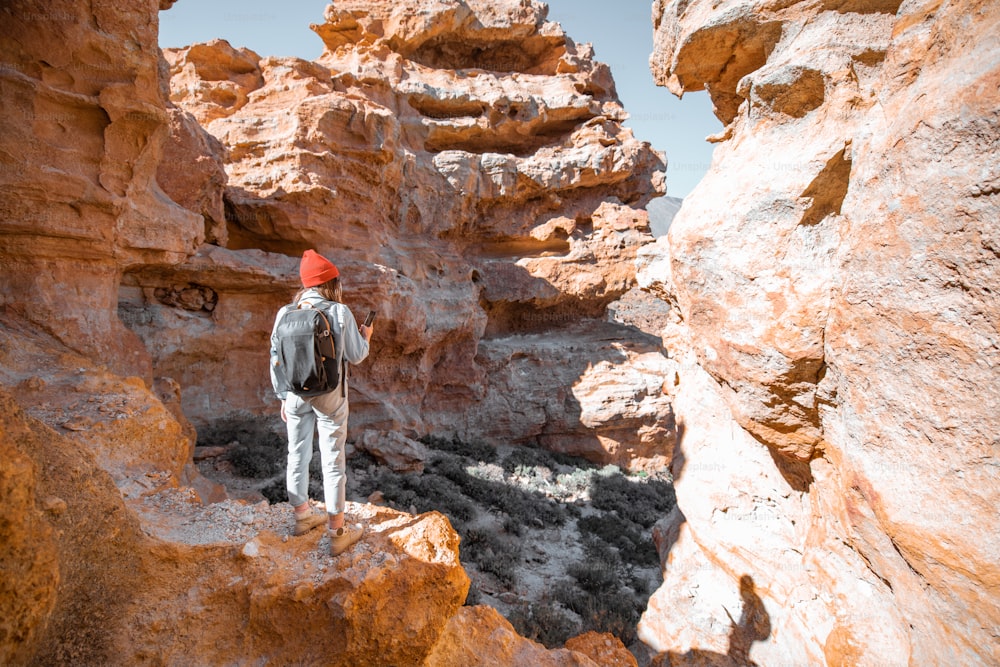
<point>342,538</point>
<point>306,523</point>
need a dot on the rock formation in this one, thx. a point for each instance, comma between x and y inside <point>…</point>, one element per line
<point>115,558</point>
<point>834,290</point>
<point>467,169</point>
<point>82,130</point>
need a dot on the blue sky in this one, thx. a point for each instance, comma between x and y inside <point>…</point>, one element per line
<point>622,38</point>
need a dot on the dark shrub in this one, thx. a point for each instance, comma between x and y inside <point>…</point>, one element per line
<point>275,491</point>
<point>634,543</point>
<point>246,431</point>
<point>600,570</point>
<point>614,610</point>
<point>476,451</point>
<point>545,621</point>
<point>642,502</point>
<point>493,553</point>
<point>256,461</point>
<point>425,493</point>
<point>531,457</point>
<point>526,507</point>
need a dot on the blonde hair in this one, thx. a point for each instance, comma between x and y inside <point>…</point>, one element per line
<point>331,290</point>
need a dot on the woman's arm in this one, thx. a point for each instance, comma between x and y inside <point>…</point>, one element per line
<point>355,342</point>
<point>274,358</point>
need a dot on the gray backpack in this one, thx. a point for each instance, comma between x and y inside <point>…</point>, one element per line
<point>306,362</point>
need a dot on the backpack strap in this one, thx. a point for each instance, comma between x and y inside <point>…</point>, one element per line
<point>326,320</point>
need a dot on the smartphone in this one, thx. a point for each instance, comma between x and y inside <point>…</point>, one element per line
<point>370,318</point>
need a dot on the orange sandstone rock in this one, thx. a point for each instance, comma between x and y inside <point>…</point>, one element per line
<point>161,576</point>
<point>80,142</point>
<point>481,636</point>
<point>834,281</point>
<point>603,648</point>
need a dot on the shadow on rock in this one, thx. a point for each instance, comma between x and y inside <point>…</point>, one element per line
<point>754,625</point>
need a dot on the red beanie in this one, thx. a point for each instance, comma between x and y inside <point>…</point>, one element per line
<point>315,269</point>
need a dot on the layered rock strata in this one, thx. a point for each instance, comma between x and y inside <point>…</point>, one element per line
<point>834,282</point>
<point>81,138</point>
<point>467,169</point>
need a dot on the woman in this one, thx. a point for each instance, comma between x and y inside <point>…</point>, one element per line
<point>321,289</point>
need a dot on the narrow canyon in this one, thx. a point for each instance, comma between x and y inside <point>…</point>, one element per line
<point>811,353</point>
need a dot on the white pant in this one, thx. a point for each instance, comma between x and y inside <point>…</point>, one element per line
<point>328,412</point>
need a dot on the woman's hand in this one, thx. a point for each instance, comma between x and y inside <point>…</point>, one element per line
<point>284,417</point>
<point>366,332</point>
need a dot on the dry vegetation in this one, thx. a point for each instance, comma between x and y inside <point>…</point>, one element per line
<point>557,544</point>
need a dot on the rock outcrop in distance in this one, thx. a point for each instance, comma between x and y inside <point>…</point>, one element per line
<point>834,282</point>
<point>467,168</point>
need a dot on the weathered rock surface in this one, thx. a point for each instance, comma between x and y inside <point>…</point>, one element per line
<point>395,450</point>
<point>481,636</point>
<point>191,172</point>
<point>81,137</point>
<point>203,321</point>
<point>288,596</point>
<point>99,577</point>
<point>466,168</point>
<point>834,284</point>
<point>603,648</point>
<point>135,437</point>
<point>590,379</point>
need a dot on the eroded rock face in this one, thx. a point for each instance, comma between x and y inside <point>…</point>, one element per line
<point>610,385</point>
<point>29,561</point>
<point>80,142</point>
<point>466,168</point>
<point>836,336</point>
<point>163,577</point>
<point>481,636</point>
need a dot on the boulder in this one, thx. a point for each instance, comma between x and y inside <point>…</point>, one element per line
<point>481,636</point>
<point>395,450</point>
<point>603,648</point>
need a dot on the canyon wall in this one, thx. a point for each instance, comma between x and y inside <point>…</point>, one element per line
<point>82,127</point>
<point>833,283</point>
<point>466,167</point>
